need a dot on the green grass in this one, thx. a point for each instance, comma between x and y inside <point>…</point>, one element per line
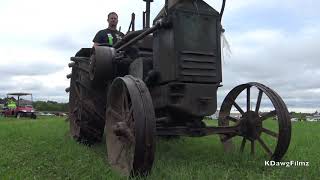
<point>42,149</point>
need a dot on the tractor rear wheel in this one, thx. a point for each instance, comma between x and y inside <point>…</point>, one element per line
<point>86,104</point>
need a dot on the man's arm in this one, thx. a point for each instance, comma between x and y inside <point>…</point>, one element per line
<point>121,34</point>
<point>97,39</point>
<point>95,44</point>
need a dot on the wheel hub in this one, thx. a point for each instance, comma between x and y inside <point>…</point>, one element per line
<point>121,129</point>
<point>250,125</point>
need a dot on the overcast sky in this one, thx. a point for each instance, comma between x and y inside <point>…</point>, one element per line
<point>272,42</point>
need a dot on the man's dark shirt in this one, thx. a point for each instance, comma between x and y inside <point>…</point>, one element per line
<point>103,36</point>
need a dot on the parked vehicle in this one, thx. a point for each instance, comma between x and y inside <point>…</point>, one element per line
<point>18,107</point>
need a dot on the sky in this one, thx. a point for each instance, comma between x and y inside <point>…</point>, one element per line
<point>272,42</point>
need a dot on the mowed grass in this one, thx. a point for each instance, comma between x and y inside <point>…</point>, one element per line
<point>43,149</point>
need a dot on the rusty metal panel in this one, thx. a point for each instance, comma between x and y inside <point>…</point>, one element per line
<point>191,98</point>
<point>198,67</point>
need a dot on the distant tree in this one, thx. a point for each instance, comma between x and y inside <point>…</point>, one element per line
<point>52,102</point>
<point>50,106</point>
<point>300,116</point>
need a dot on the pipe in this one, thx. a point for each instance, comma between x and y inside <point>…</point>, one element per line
<point>222,9</point>
<point>127,38</point>
<point>142,35</point>
<point>166,6</point>
<point>144,19</point>
<point>132,23</point>
<point>147,14</point>
<point>133,16</point>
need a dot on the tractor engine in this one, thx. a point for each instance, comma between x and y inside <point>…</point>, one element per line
<point>180,62</point>
<point>188,60</point>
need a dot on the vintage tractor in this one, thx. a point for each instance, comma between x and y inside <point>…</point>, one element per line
<point>162,81</point>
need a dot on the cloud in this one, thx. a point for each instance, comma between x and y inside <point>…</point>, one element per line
<point>62,43</point>
<point>27,69</point>
<point>43,87</point>
<point>273,42</point>
<point>287,62</point>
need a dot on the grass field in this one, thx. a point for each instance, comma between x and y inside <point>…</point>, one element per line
<point>42,149</point>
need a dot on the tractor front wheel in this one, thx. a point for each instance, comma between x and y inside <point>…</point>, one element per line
<point>130,126</point>
<point>267,126</point>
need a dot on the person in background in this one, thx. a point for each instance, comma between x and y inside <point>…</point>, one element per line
<point>11,104</point>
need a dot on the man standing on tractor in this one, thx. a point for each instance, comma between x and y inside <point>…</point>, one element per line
<point>110,35</point>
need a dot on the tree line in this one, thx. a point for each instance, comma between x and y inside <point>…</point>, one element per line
<point>50,106</point>
<point>45,105</point>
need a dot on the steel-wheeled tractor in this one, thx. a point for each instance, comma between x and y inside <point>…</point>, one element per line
<point>162,81</point>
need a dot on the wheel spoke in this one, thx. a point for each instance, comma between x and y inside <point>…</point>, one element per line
<point>268,115</point>
<point>265,147</point>
<point>115,113</point>
<point>243,143</point>
<point>252,147</point>
<point>258,101</point>
<point>248,99</point>
<point>269,132</point>
<point>233,119</point>
<point>238,107</point>
<point>119,154</point>
<point>128,116</point>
